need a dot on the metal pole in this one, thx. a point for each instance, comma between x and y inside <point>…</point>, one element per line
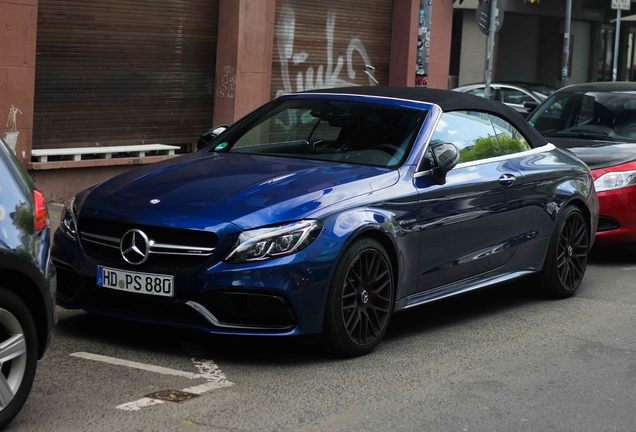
<point>566,42</point>
<point>491,46</point>
<point>616,39</point>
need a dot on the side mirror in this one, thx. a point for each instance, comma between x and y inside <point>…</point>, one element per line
<point>211,135</point>
<point>443,158</point>
<point>446,156</point>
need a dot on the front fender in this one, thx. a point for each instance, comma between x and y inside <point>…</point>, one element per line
<point>388,228</point>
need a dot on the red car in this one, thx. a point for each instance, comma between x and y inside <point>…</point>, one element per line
<point>597,122</point>
<point>616,189</point>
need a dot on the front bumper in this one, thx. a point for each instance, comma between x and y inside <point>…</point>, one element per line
<point>278,297</point>
<point>617,222</point>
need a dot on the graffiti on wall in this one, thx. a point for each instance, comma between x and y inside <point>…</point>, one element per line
<point>227,86</point>
<point>337,72</point>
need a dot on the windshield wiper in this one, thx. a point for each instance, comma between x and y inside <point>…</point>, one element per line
<point>583,135</point>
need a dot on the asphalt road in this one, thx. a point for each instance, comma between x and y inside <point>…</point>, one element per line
<point>503,359</point>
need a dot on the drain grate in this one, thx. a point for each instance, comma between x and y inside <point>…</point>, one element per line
<point>169,395</point>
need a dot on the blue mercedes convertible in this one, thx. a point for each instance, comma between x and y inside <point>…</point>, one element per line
<point>325,213</point>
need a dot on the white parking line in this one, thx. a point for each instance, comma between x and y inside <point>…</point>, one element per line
<point>139,404</point>
<point>208,370</point>
<point>136,365</point>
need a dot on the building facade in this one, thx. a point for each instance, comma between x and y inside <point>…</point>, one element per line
<point>110,74</point>
<point>119,73</point>
<point>529,45</point>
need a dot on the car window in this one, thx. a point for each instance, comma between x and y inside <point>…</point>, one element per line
<point>586,112</point>
<point>479,91</point>
<point>540,90</point>
<point>514,96</point>
<point>495,93</point>
<point>330,130</point>
<point>468,131</point>
<point>608,116</point>
<point>509,139</point>
<point>274,129</point>
<point>478,135</point>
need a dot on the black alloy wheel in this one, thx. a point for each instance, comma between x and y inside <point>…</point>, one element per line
<point>567,256</point>
<point>572,251</point>
<point>366,296</point>
<point>360,299</point>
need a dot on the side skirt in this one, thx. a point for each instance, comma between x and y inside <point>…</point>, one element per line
<point>456,288</point>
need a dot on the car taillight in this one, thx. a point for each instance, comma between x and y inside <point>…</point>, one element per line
<point>41,220</point>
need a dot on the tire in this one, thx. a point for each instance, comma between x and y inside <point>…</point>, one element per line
<point>567,255</point>
<point>18,370</point>
<point>360,300</point>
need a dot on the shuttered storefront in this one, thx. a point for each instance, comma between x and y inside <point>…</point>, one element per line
<point>123,72</point>
<point>329,43</point>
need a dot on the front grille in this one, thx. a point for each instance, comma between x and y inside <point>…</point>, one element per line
<point>169,247</point>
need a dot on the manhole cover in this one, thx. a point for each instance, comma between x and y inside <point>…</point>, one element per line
<point>177,396</point>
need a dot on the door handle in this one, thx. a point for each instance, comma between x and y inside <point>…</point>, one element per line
<point>507,179</point>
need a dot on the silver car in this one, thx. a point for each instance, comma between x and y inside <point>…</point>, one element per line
<point>523,97</point>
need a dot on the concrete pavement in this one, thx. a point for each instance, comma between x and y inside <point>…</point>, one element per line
<point>55,213</point>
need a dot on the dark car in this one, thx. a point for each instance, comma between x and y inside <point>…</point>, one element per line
<point>27,284</point>
<point>326,212</point>
<point>522,96</point>
<point>597,123</point>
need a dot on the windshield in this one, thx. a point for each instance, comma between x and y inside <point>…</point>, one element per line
<point>330,130</point>
<point>609,116</point>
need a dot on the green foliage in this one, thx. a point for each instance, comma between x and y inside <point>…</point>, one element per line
<point>23,219</point>
<point>488,147</point>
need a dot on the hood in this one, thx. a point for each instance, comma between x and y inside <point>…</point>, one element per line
<point>247,190</point>
<point>597,154</point>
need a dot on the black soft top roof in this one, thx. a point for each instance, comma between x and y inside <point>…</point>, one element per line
<point>448,101</point>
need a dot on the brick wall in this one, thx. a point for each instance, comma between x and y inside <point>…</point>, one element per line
<point>18,27</point>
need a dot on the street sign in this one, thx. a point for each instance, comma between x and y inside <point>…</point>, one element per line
<point>483,16</point>
<point>621,4</point>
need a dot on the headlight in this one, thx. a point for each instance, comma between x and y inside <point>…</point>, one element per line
<point>615,180</point>
<point>68,223</point>
<point>276,241</point>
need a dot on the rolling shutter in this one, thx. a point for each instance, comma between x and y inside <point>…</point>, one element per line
<point>328,43</point>
<point>123,72</point>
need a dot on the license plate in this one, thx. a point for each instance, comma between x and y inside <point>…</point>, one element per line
<point>142,283</point>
